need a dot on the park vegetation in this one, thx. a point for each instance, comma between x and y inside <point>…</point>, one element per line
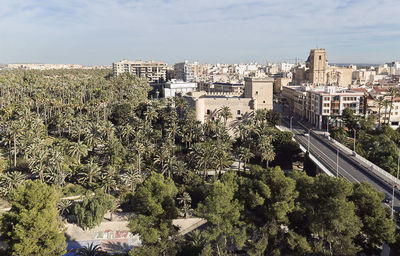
<point>85,133</point>
<point>379,145</point>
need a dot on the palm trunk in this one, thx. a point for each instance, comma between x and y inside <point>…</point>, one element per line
<point>390,109</point>
<point>15,152</point>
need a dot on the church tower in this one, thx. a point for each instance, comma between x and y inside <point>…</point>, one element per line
<point>317,65</point>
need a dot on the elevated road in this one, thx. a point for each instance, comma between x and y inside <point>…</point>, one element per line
<point>340,163</point>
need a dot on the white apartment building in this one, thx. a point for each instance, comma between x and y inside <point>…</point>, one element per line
<point>186,71</point>
<point>285,67</point>
<point>322,106</point>
<point>175,87</point>
<point>154,72</point>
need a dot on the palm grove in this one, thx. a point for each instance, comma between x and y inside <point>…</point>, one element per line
<point>87,133</point>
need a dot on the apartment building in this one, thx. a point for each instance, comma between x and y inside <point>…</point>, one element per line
<point>323,106</point>
<point>186,71</point>
<point>154,72</point>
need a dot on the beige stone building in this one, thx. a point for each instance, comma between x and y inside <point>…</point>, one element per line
<point>317,71</point>
<point>280,82</point>
<point>153,71</point>
<point>258,94</point>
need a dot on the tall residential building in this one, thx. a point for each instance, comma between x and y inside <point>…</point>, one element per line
<point>155,72</point>
<point>186,71</point>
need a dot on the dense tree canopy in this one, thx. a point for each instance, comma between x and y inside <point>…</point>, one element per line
<point>32,226</point>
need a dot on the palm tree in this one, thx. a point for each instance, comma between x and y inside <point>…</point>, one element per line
<point>131,177</point>
<point>392,92</point>
<point>162,156</point>
<point>90,173</point>
<point>245,155</point>
<point>185,200</point>
<point>63,205</point>
<point>10,181</point>
<point>386,104</point>
<point>223,157</point>
<point>108,179</point>
<point>14,130</point>
<point>90,250</point>
<point>203,155</point>
<point>78,150</point>
<point>380,102</point>
<point>225,113</point>
<point>266,150</point>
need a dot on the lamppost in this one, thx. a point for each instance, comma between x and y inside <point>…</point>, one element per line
<point>327,125</point>
<point>308,142</point>
<point>355,136</point>
<point>393,199</point>
<point>337,163</point>
<point>291,118</point>
<point>398,165</point>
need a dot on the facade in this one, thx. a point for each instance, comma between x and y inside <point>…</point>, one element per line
<point>257,94</point>
<point>154,72</point>
<point>322,106</point>
<point>317,65</point>
<point>280,82</point>
<point>175,87</point>
<point>186,71</point>
<point>226,88</point>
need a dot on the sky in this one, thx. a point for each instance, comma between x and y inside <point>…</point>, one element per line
<point>99,32</point>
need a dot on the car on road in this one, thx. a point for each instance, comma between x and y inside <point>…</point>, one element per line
<point>388,199</point>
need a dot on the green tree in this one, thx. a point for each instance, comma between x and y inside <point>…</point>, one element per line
<point>325,215</point>
<point>226,113</point>
<point>91,211</point>
<point>155,209</point>
<point>378,226</point>
<point>33,226</point>
<point>222,210</point>
<point>350,119</point>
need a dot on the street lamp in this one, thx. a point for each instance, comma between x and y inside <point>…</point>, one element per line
<point>393,200</point>
<point>337,163</point>
<point>398,164</point>
<point>355,136</point>
<point>327,125</point>
<point>291,122</point>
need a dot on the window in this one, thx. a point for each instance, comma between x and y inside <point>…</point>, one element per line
<point>238,112</point>
<point>263,101</point>
<point>320,57</point>
<point>256,92</point>
<point>208,112</point>
<point>326,104</point>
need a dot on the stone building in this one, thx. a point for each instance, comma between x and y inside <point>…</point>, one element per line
<point>258,93</point>
<point>317,72</point>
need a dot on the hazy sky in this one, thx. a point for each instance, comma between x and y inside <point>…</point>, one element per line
<point>102,31</point>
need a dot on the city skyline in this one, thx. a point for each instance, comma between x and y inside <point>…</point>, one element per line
<point>100,32</point>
